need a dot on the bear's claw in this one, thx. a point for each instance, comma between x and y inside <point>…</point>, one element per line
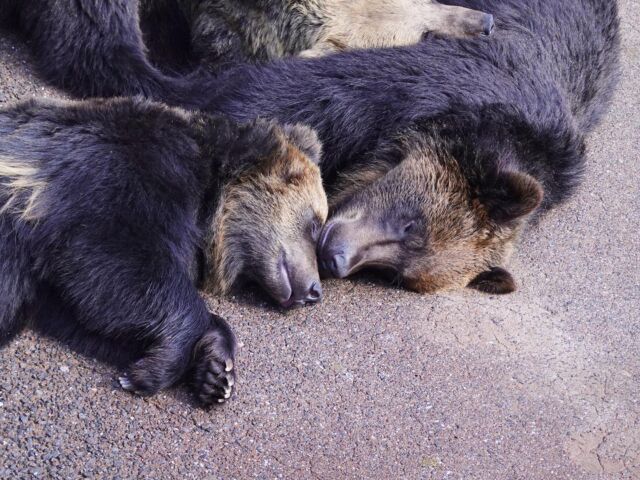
<point>125,383</point>
<point>128,385</point>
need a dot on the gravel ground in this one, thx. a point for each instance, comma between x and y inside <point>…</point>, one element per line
<point>377,382</point>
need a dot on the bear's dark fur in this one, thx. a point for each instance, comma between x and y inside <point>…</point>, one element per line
<point>108,208</point>
<point>552,74</point>
<point>90,48</point>
<point>440,151</point>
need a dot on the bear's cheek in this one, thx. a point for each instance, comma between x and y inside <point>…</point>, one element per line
<point>424,284</point>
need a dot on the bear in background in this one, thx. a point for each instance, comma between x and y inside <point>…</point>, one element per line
<point>111,212</point>
<point>223,32</point>
<point>96,49</point>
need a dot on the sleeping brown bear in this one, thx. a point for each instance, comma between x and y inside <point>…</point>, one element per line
<point>112,211</point>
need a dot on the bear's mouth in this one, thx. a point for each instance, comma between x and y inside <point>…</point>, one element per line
<point>287,299</point>
<point>349,245</point>
<point>295,284</point>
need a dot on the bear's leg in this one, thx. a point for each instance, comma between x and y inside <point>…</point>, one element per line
<point>212,374</point>
<point>16,283</point>
<point>50,315</point>
<point>182,333</point>
<point>91,48</point>
<point>211,356</point>
<point>120,284</point>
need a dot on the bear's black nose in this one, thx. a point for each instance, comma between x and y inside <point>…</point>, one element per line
<point>333,263</point>
<point>314,293</point>
<point>487,24</point>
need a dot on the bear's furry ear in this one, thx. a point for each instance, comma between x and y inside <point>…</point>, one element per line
<point>511,195</point>
<point>496,280</point>
<point>306,139</point>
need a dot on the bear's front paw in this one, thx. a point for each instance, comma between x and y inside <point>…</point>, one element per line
<point>213,371</point>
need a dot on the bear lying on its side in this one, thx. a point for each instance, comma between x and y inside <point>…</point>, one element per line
<point>228,31</point>
<point>444,148</point>
<point>112,210</point>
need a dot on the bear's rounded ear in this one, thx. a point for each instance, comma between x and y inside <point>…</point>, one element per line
<point>510,196</point>
<point>306,139</point>
<point>496,280</point>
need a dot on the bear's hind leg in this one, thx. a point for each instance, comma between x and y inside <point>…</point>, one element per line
<point>182,334</point>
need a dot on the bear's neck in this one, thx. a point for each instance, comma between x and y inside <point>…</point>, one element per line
<point>212,136</point>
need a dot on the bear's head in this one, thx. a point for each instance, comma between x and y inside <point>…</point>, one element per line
<point>270,214</point>
<point>437,214</point>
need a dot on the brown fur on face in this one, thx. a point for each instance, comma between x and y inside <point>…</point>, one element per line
<point>349,183</point>
<point>425,220</point>
<point>388,23</point>
<point>266,216</point>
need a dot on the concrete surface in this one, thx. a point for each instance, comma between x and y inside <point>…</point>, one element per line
<point>378,382</point>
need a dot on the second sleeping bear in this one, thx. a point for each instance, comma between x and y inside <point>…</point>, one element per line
<point>112,212</point>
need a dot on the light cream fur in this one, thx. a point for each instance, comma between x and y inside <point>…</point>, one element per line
<point>352,24</point>
<point>22,189</point>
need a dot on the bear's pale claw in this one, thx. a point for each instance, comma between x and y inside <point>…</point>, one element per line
<point>125,383</point>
